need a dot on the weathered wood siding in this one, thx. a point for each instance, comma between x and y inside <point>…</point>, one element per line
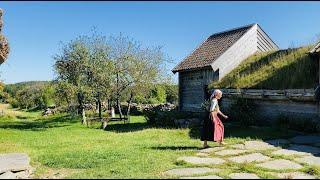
<point>192,88</point>
<point>255,40</point>
<point>272,103</point>
<point>191,83</point>
<point>264,42</point>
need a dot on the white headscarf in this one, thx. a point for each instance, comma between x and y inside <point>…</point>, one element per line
<point>215,93</point>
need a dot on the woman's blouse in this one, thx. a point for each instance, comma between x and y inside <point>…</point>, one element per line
<point>214,105</point>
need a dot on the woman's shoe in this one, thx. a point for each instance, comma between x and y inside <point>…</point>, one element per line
<point>223,143</point>
<point>204,147</point>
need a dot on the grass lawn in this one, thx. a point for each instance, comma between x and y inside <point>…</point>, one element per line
<point>59,146</point>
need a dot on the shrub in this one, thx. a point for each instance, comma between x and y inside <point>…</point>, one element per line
<point>302,124</point>
<point>163,115</point>
<point>244,110</point>
<point>13,102</point>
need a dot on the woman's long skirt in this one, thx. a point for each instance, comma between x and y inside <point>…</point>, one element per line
<point>207,128</point>
<point>218,129</point>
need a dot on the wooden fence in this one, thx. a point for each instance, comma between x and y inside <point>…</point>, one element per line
<point>275,102</point>
<point>264,94</point>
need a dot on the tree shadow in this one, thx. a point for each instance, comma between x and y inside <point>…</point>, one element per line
<point>253,132</point>
<point>127,127</point>
<point>175,148</point>
<point>132,127</point>
<point>40,124</point>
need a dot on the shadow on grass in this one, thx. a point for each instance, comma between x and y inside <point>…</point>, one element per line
<point>132,127</point>
<point>128,127</point>
<point>40,124</point>
<point>175,148</point>
<point>263,133</point>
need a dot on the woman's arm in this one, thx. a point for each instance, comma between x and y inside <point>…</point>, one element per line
<point>219,112</point>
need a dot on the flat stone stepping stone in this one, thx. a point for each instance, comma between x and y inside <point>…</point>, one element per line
<point>238,146</point>
<point>278,142</point>
<point>203,177</point>
<point>255,157</point>
<point>258,145</point>
<point>280,164</point>
<point>14,162</point>
<point>243,176</point>
<point>201,161</point>
<point>295,175</point>
<point>210,150</point>
<point>304,148</point>
<point>202,154</point>
<point>227,152</point>
<point>305,139</point>
<point>190,171</point>
<point>311,160</point>
<point>8,175</point>
<point>287,152</point>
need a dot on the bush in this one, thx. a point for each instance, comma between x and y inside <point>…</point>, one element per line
<point>244,110</point>
<point>163,115</point>
<point>13,102</point>
<point>302,124</point>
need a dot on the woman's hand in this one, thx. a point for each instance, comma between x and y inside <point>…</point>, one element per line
<point>226,117</point>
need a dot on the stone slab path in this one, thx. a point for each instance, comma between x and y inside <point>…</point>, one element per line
<point>305,139</point>
<point>295,175</point>
<point>14,166</point>
<point>280,164</point>
<point>230,152</point>
<point>255,157</point>
<point>281,158</point>
<point>201,161</point>
<point>278,142</point>
<point>190,171</point>
<point>311,160</point>
<point>203,177</point>
<point>305,148</point>
<point>287,152</point>
<point>243,176</point>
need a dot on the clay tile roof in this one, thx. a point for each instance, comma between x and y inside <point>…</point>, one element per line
<point>316,49</point>
<point>211,49</point>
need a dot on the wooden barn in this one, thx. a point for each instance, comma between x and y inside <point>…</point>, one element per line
<point>214,58</point>
<point>316,52</point>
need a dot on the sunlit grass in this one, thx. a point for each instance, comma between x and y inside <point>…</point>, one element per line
<point>60,146</point>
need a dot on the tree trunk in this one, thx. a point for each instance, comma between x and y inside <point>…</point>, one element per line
<point>80,108</point>
<point>118,96</point>
<point>129,106</point>
<point>119,108</point>
<point>99,106</point>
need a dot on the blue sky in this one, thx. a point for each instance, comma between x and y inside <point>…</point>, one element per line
<point>35,29</point>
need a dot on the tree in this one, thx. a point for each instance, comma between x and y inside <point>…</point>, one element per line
<point>70,68</point>
<point>136,68</point>
<point>84,67</point>
<point>4,45</point>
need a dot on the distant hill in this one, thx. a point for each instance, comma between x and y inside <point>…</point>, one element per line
<point>13,88</point>
<point>283,69</point>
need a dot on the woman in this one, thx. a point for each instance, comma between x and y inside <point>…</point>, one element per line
<point>218,132</point>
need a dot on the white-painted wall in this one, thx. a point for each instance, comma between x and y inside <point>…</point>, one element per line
<point>246,46</point>
<point>239,51</point>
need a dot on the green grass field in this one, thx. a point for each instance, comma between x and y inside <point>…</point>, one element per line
<point>60,146</point>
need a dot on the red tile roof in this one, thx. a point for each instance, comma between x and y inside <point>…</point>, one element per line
<point>211,49</point>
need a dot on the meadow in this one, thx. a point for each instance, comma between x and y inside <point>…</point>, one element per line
<point>61,147</point>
